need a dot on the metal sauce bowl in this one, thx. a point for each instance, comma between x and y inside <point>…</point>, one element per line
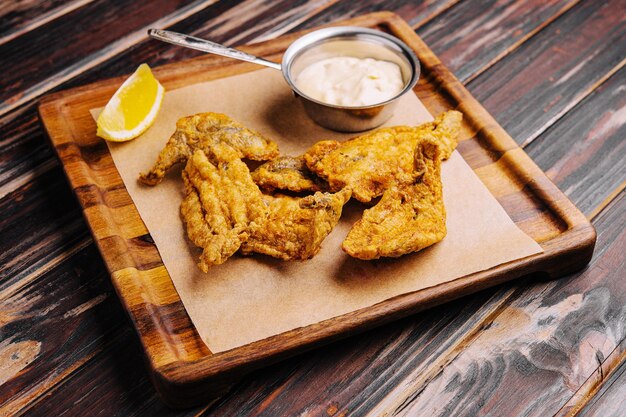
<point>321,44</point>
<point>354,42</point>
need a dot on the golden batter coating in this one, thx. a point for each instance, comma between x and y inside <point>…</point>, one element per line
<point>221,203</point>
<point>446,132</point>
<point>202,131</point>
<point>286,173</point>
<point>296,227</point>
<point>409,216</point>
<point>370,163</point>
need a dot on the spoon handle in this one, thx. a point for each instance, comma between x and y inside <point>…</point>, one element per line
<point>203,45</point>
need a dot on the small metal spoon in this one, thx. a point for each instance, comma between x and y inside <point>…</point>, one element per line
<point>320,44</point>
<point>203,45</point>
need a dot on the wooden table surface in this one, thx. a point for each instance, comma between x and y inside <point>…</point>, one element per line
<point>551,72</point>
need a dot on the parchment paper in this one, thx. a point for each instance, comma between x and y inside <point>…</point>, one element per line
<point>250,298</point>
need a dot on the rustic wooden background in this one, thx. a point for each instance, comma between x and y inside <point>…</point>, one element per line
<point>551,72</point>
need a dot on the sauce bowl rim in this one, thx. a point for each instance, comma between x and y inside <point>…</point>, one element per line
<point>317,37</point>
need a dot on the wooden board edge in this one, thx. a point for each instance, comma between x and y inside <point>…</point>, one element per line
<point>216,372</point>
<point>179,381</point>
<point>479,117</point>
<point>154,352</point>
<point>366,20</point>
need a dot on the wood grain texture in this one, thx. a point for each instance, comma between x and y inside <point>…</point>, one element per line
<point>585,152</point>
<point>484,31</point>
<point>47,361</point>
<point>184,370</point>
<point>543,78</point>
<point>65,46</point>
<point>522,348</point>
<point>412,12</point>
<point>610,400</point>
<point>218,23</point>
<point>38,222</point>
<point>18,18</point>
<point>357,384</point>
<point>25,153</point>
<point>597,385</point>
<point>22,101</point>
<point>113,382</point>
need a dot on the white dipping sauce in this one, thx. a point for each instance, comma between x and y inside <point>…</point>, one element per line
<point>349,81</point>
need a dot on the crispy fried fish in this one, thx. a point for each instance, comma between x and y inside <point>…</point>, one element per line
<point>409,216</point>
<point>202,131</point>
<point>296,227</point>
<point>370,163</point>
<point>221,203</point>
<point>446,132</point>
<point>286,173</point>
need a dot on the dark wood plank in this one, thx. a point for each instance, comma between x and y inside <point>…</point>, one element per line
<point>52,325</point>
<point>24,153</point>
<point>606,98</point>
<point>485,31</point>
<point>173,357</point>
<point>98,387</point>
<point>39,222</point>
<point>226,28</point>
<point>69,51</point>
<point>77,385</point>
<point>546,343</point>
<point>585,152</point>
<point>598,383</point>
<point>254,21</point>
<point>610,401</point>
<point>411,11</point>
<point>19,17</point>
<point>551,72</point>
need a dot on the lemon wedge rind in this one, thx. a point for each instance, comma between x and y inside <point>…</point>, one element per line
<point>112,121</point>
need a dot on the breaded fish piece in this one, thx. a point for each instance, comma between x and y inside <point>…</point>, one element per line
<point>296,227</point>
<point>202,131</point>
<point>370,163</point>
<point>446,132</point>
<point>221,203</point>
<point>408,217</point>
<point>286,173</point>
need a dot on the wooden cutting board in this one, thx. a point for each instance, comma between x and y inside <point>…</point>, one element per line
<point>184,370</point>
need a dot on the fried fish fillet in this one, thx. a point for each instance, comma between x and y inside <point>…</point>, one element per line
<point>370,163</point>
<point>202,131</point>
<point>221,203</point>
<point>446,132</point>
<point>409,216</point>
<point>296,227</point>
<point>286,173</point>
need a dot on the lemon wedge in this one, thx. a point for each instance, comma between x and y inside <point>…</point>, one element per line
<point>133,108</point>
